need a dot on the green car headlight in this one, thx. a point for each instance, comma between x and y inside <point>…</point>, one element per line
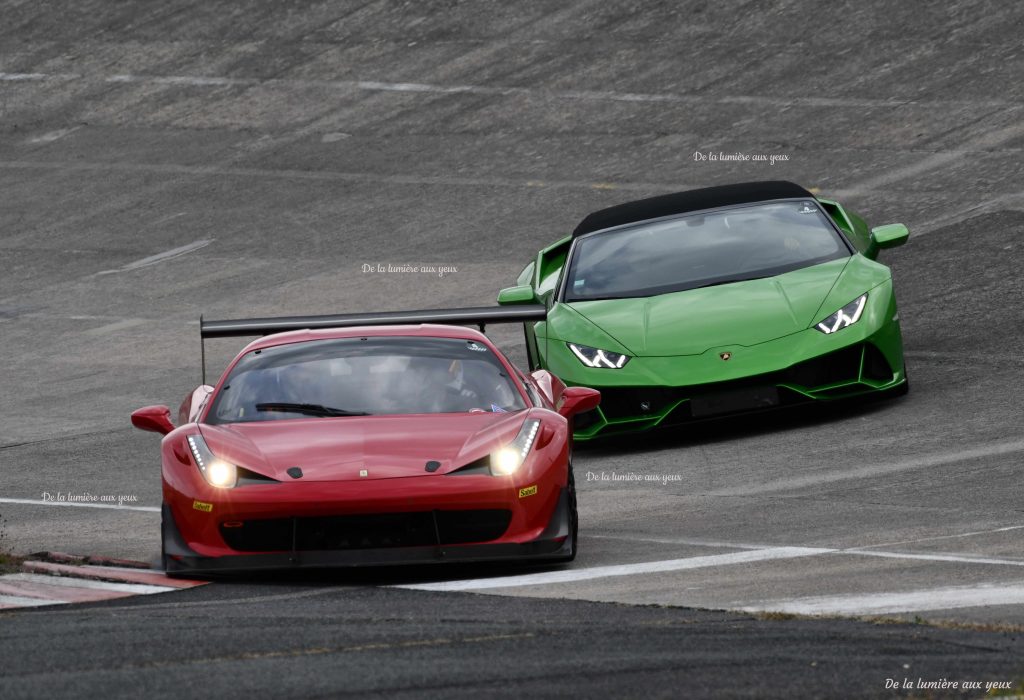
<point>601,359</point>
<point>846,316</point>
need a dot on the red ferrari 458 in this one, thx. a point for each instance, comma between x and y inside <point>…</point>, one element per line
<point>346,440</point>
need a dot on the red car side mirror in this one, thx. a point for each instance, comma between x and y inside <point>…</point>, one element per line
<point>578,399</point>
<point>156,419</point>
<point>550,385</point>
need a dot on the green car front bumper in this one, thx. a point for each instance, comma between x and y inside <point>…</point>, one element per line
<point>803,367</point>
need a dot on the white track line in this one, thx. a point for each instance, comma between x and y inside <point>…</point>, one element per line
<point>159,257</point>
<point>867,550</point>
<point>958,558</point>
<point>106,506</point>
<point>72,582</point>
<point>751,554</point>
<point>650,567</point>
<point>682,541</point>
<point>898,602</point>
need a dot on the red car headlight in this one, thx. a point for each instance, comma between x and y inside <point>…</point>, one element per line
<point>216,471</point>
<point>507,460</point>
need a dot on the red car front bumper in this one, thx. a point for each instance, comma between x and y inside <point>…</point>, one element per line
<point>415,520</point>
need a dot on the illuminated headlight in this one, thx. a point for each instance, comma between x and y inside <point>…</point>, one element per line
<point>509,458</point>
<point>846,316</point>
<point>216,471</point>
<point>603,359</point>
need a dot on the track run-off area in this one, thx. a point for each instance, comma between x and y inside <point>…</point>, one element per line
<point>159,162</point>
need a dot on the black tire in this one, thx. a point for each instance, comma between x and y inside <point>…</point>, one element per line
<point>163,554</point>
<point>163,544</point>
<point>574,518</point>
<point>165,561</point>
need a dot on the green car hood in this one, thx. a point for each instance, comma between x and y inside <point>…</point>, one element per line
<point>742,313</point>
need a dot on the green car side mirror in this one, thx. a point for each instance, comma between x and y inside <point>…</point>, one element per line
<point>890,235</point>
<point>522,294</point>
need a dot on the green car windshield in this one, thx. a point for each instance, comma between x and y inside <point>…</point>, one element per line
<point>701,250</point>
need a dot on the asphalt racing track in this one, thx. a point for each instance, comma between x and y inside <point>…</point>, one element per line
<point>162,160</point>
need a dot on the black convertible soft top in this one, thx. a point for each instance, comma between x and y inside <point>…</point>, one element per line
<point>691,200</point>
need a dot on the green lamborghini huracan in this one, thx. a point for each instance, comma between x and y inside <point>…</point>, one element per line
<point>714,302</point>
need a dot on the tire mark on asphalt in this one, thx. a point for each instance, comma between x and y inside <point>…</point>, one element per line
<point>975,533</point>
<point>159,257</point>
<point>27,443</point>
<point>336,176</point>
<point>1001,359</point>
<point>306,651</point>
<point>989,139</point>
<point>1010,200</point>
<point>922,462</point>
<point>204,81</point>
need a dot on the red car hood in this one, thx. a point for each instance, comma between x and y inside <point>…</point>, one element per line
<point>338,449</point>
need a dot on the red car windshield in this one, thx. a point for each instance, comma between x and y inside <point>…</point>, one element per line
<point>382,375</point>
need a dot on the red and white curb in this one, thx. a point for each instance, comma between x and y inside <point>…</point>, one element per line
<point>57,583</point>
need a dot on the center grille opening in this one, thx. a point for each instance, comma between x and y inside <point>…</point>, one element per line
<point>373,531</point>
<point>839,366</point>
<point>834,368</point>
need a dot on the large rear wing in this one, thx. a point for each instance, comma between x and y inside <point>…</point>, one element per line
<point>480,316</point>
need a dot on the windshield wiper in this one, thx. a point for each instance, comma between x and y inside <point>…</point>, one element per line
<point>729,281</point>
<point>658,291</point>
<point>309,409</point>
